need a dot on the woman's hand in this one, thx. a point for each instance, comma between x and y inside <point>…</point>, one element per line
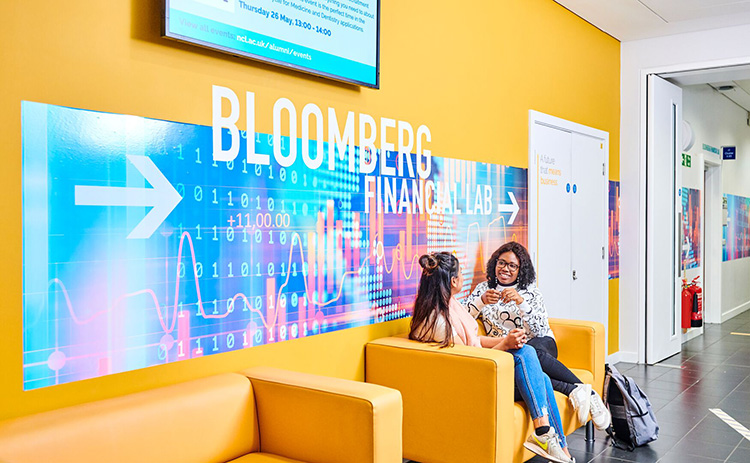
<point>510,295</point>
<point>491,296</point>
<point>515,339</point>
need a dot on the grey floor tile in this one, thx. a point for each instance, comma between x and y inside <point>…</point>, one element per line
<point>606,459</point>
<point>740,455</point>
<point>645,454</point>
<point>676,388</point>
<point>703,449</point>
<point>714,436</point>
<point>672,457</point>
<point>659,394</point>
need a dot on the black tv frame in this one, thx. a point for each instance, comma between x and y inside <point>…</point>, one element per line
<point>231,51</point>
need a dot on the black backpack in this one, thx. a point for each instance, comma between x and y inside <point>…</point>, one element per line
<point>633,420</point>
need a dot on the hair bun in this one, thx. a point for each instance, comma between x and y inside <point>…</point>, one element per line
<point>429,263</point>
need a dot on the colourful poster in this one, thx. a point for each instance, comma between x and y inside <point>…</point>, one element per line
<point>614,229</point>
<point>737,228</point>
<point>140,250</point>
<point>691,228</point>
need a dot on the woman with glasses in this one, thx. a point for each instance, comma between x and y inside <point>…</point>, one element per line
<point>510,300</point>
<point>440,318</point>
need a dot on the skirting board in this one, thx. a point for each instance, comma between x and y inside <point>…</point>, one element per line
<point>734,312</point>
<point>621,356</point>
<point>612,358</point>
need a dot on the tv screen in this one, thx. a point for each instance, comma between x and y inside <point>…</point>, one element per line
<point>338,39</point>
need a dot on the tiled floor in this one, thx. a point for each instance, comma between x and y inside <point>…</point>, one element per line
<point>713,371</point>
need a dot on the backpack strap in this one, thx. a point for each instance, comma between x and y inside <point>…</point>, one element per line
<point>605,390</point>
<point>619,443</point>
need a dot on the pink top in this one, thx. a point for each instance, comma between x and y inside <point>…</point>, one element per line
<point>465,328</point>
<point>464,325</point>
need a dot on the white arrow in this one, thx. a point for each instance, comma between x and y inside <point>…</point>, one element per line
<point>163,197</point>
<point>512,208</point>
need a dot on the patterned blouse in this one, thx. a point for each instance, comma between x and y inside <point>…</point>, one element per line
<point>500,318</point>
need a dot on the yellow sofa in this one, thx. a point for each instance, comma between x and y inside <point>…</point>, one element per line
<point>458,401</point>
<point>263,415</point>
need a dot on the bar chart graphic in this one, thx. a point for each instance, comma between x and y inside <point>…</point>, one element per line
<point>141,250</point>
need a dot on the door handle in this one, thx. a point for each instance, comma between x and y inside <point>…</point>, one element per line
<point>575,277</point>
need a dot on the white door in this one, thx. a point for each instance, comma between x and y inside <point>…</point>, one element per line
<point>568,210</point>
<point>553,211</point>
<point>590,265</point>
<point>663,333</point>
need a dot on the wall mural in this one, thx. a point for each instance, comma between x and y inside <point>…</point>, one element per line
<point>691,228</point>
<point>614,229</point>
<point>140,249</point>
<point>736,228</point>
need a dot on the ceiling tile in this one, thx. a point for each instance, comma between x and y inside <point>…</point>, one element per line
<point>687,10</point>
<point>640,19</point>
<point>745,84</point>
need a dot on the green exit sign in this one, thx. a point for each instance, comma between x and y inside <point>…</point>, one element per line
<point>686,160</point>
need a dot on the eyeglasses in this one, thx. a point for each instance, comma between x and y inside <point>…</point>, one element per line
<point>511,266</point>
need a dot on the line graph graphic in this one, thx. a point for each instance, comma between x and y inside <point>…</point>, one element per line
<point>236,255</point>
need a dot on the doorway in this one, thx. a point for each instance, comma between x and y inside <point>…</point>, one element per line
<point>705,184</point>
<point>713,220</point>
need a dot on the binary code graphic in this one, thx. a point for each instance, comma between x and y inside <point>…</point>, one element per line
<point>140,249</point>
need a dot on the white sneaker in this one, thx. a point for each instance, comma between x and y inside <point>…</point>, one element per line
<point>599,413</point>
<point>580,399</point>
<point>548,446</point>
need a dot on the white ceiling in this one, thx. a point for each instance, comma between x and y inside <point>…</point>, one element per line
<point>639,19</point>
<point>734,80</point>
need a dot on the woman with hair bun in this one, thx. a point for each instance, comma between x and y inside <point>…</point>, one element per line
<point>510,300</point>
<point>440,318</point>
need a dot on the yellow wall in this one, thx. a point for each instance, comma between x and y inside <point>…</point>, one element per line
<point>470,74</point>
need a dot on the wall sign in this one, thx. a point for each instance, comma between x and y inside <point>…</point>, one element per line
<point>140,249</point>
<point>710,149</point>
<point>686,160</point>
<point>728,153</point>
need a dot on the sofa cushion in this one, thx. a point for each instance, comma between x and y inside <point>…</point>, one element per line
<point>207,420</point>
<point>263,458</point>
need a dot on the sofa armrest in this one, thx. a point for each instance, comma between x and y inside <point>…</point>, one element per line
<point>207,419</point>
<point>458,401</point>
<point>328,420</point>
<point>581,345</point>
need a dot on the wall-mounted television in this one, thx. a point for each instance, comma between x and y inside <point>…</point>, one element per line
<point>338,39</point>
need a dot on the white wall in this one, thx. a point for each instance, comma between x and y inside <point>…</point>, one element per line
<point>717,121</point>
<point>705,49</point>
<point>692,177</point>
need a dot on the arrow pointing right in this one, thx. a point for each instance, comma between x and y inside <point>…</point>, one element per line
<point>163,197</point>
<point>512,208</point>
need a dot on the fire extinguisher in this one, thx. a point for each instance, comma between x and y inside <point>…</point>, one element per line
<point>687,304</point>
<point>696,314</point>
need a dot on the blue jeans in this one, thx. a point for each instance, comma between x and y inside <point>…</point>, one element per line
<point>536,389</point>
